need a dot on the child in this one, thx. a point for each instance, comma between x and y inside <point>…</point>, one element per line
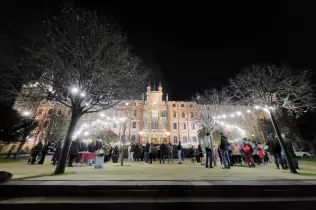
<point>261,155</point>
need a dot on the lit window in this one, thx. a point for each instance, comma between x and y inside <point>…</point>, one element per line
<point>193,126</point>
<point>175,140</point>
<point>183,115</point>
<point>185,140</point>
<point>145,124</point>
<point>194,139</point>
<point>175,126</point>
<point>154,125</point>
<point>154,114</point>
<point>164,125</point>
<point>163,113</point>
<point>134,125</point>
<point>184,126</point>
<point>174,105</point>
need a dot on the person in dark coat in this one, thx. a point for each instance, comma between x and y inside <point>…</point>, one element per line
<point>45,150</point>
<point>136,152</point>
<point>57,151</point>
<point>163,151</point>
<point>276,150</point>
<point>146,152</point>
<point>35,152</point>
<point>224,146</point>
<point>73,151</point>
<point>290,149</point>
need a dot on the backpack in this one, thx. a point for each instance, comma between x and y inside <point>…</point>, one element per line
<point>246,148</point>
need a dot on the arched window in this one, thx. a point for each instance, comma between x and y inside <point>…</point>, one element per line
<point>183,115</point>
<point>175,140</point>
<point>133,138</point>
<point>194,140</point>
<point>134,125</point>
<point>185,140</point>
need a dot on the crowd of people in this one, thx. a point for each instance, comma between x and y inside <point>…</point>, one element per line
<point>227,153</point>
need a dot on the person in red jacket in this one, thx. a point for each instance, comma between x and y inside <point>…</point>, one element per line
<point>261,155</point>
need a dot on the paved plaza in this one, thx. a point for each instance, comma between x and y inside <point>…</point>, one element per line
<point>141,171</point>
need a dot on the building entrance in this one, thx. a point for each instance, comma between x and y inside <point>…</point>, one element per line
<point>154,140</point>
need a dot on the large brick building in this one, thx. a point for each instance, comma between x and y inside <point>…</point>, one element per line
<point>154,119</point>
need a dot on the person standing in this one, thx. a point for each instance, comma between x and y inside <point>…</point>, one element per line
<point>146,152</point>
<point>261,156</point>
<point>208,150</point>
<point>170,152</point>
<point>45,150</point>
<point>289,147</point>
<point>137,152</point>
<point>73,151</point>
<point>131,152</point>
<point>224,146</point>
<point>163,152</point>
<point>57,151</point>
<point>35,152</point>
<point>220,155</point>
<point>179,149</point>
<point>276,150</point>
<point>201,154</point>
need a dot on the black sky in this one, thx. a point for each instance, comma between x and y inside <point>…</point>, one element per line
<point>192,47</point>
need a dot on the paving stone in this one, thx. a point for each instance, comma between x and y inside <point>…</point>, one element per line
<point>52,182</point>
<point>30,200</point>
<point>183,183</point>
<point>115,183</point>
<point>149,183</point>
<point>200,183</point>
<point>11,201</point>
<point>310,181</point>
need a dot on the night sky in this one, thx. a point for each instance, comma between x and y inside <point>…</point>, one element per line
<point>191,47</point>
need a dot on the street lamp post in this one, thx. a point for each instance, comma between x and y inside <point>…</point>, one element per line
<point>281,141</point>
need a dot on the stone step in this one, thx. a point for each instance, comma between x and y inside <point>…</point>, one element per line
<point>134,202</point>
<point>240,189</point>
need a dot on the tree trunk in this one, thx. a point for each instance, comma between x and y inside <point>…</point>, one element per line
<point>122,157</point>
<point>286,153</point>
<point>75,116</point>
<point>213,150</point>
<point>19,149</point>
<point>10,151</point>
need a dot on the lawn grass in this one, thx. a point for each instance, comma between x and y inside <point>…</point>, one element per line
<point>8,160</point>
<point>41,175</point>
<point>308,160</point>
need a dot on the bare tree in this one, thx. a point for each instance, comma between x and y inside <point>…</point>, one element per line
<point>122,137</point>
<point>108,137</point>
<point>81,63</point>
<point>57,123</point>
<point>213,106</point>
<point>271,88</point>
<point>23,130</point>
